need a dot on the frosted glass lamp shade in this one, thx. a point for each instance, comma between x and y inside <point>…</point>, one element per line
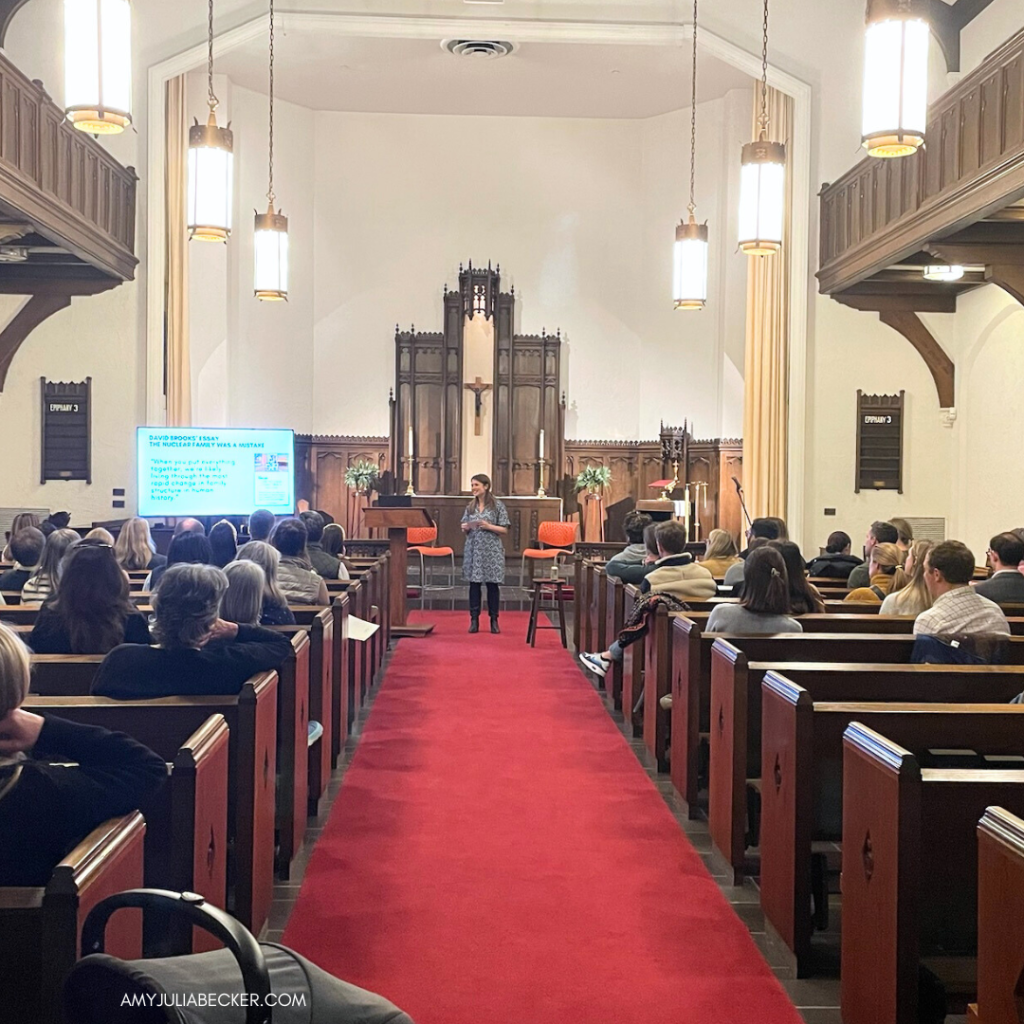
<point>98,65</point>
<point>210,181</point>
<point>690,265</point>
<point>936,272</point>
<point>762,197</point>
<point>895,111</point>
<point>271,252</point>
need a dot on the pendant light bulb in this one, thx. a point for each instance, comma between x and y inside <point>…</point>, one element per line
<point>211,169</point>
<point>690,251</point>
<point>762,179</point>
<point>98,65</point>
<point>270,236</point>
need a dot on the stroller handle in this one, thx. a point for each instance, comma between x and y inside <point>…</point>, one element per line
<point>239,940</point>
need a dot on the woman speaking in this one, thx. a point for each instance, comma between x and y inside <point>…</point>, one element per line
<point>484,522</point>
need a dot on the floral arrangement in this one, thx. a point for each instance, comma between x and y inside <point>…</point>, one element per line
<point>362,475</point>
<point>593,478</point>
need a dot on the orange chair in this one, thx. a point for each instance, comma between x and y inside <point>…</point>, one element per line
<point>421,542</point>
<point>555,539</point>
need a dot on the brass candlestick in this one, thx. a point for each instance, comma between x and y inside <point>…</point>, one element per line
<point>541,493</point>
<point>409,463</point>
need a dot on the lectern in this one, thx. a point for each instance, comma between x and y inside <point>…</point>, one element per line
<point>397,521</point>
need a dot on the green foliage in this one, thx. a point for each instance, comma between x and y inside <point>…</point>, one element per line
<point>362,475</point>
<point>593,478</point>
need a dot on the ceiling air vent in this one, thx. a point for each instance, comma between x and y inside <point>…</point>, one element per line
<point>483,49</point>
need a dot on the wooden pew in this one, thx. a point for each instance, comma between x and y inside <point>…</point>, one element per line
<point>251,717</point>
<point>597,597</point>
<point>1000,918</point>
<point>802,793</point>
<point>736,717</point>
<point>339,677</point>
<point>614,615</point>
<point>579,602</point>
<point>910,880</point>
<point>633,659</point>
<point>40,928</point>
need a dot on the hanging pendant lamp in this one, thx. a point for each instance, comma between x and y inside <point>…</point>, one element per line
<point>270,241</point>
<point>762,179</point>
<point>690,252</point>
<point>98,65</point>
<point>895,110</point>
<point>210,169</point>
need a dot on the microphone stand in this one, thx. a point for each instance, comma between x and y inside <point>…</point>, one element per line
<point>743,504</point>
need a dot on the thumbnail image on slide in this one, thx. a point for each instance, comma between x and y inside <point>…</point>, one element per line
<point>215,472</point>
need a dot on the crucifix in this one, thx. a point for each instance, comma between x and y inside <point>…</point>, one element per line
<point>478,387</point>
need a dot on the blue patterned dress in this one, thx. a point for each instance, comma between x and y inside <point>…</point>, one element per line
<point>484,558</point>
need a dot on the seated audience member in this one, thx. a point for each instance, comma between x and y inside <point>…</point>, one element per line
<point>904,534</point>
<point>327,565</point>
<point>333,542</point>
<point>275,610</point>
<point>91,612</point>
<point>185,549</point>
<point>734,574</point>
<point>199,652</point>
<point>98,535</point>
<point>764,607</point>
<point>675,572</point>
<point>243,602</point>
<point>1006,585</point>
<point>27,551</point>
<point>634,572</point>
<point>913,598</point>
<point>47,808</point>
<point>22,521</point>
<point>301,583</point>
<point>635,552</point>
<point>780,526</point>
<point>261,524</point>
<point>837,563</point>
<point>961,626</point>
<point>885,562</point>
<point>43,582</point>
<point>135,548</point>
<point>720,554</point>
<point>223,543</point>
<point>768,528</point>
<point>188,525</point>
<point>804,598</point>
<point>60,520</point>
<point>879,533</point>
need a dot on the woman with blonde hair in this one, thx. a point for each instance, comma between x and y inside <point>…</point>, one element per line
<point>913,597</point>
<point>58,779</point>
<point>135,548</point>
<point>98,535</point>
<point>720,554</point>
<point>885,570</point>
<point>243,601</point>
<point>275,610</point>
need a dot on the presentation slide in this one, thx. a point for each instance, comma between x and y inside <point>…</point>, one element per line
<point>215,472</point>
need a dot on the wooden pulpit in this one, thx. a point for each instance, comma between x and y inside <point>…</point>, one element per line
<point>397,521</point>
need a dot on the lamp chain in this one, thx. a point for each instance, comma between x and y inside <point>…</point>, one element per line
<point>270,191</point>
<point>764,74</point>
<point>693,113</point>
<point>213,101</point>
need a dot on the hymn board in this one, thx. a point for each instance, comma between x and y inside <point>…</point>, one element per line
<point>476,397</point>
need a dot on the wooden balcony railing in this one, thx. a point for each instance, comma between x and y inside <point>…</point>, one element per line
<point>972,165</point>
<point>62,181</point>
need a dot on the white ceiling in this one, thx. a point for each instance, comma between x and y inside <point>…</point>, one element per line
<point>373,75</point>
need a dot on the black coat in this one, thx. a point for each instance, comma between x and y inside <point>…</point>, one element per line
<point>835,567</point>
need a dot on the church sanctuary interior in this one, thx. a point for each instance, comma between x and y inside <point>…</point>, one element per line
<point>505,514</point>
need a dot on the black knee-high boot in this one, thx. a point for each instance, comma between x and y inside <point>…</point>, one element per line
<point>493,604</point>
<point>474,607</point>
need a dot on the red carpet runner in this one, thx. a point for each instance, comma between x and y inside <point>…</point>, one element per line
<point>498,856</point>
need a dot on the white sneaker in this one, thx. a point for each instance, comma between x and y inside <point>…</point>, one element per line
<point>666,702</point>
<point>598,665</point>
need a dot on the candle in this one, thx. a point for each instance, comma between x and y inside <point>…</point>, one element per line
<point>410,441</point>
<point>541,456</point>
<point>705,485</point>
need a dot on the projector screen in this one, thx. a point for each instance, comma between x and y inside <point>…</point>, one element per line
<point>214,472</point>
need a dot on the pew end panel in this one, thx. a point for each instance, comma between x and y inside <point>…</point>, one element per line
<point>687,647</point>
<point>657,684</point>
<point>293,750</point>
<point>340,678</point>
<point>614,619</point>
<point>1000,918</point>
<point>633,658</point>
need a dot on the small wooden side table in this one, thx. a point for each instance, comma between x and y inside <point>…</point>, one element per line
<point>557,587</point>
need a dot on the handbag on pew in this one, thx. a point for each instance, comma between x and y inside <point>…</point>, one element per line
<point>248,982</point>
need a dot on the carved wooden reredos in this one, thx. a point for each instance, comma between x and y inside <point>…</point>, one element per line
<point>523,397</point>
